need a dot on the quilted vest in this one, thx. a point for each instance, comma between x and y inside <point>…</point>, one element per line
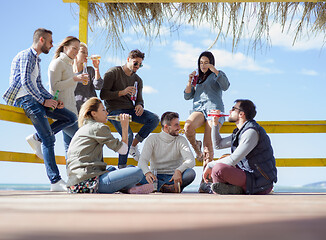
<point>259,165</point>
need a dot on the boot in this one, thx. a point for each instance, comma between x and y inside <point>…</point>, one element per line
<point>170,188</point>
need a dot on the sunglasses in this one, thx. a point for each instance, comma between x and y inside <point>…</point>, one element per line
<point>235,108</point>
<point>137,63</point>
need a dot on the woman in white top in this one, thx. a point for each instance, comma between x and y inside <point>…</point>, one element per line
<point>63,79</point>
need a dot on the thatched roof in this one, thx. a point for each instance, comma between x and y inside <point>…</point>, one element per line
<point>230,19</point>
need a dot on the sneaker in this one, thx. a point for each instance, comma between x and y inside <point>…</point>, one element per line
<point>134,152</point>
<point>142,189</point>
<point>35,145</point>
<point>205,187</point>
<point>225,188</point>
<point>121,166</point>
<point>170,188</point>
<point>59,186</point>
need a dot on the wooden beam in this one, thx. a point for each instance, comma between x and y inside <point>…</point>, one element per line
<point>83,20</point>
<point>32,158</point>
<point>14,114</point>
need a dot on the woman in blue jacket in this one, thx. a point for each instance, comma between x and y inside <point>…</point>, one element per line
<point>206,93</point>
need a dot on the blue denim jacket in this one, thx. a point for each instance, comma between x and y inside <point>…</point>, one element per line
<point>208,95</point>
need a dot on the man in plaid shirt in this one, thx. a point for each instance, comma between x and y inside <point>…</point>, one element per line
<point>27,91</point>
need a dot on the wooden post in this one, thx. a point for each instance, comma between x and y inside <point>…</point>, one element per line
<point>83,20</point>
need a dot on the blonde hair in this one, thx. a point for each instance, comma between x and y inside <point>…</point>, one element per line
<point>82,44</point>
<point>66,42</point>
<point>86,109</point>
<point>74,66</point>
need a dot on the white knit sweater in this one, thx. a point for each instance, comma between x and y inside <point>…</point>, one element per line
<point>61,78</point>
<point>166,153</point>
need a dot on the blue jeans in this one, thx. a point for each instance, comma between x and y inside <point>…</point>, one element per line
<point>45,132</point>
<point>188,176</point>
<point>150,121</point>
<point>68,133</point>
<point>119,179</point>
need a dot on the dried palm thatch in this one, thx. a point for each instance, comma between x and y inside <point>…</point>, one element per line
<point>230,19</point>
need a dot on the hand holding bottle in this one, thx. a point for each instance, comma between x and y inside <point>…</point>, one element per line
<point>117,118</point>
<point>85,80</point>
<point>55,98</point>
<point>94,57</point>
<point>83,77</point>
<point>216,114</point>
<point>50,103</point>
<point>60,104</point>
<point>124,120</point>
<point>213,113</point>
<point>134,95</point>
<point>193,77</point>
<point>128,90</point>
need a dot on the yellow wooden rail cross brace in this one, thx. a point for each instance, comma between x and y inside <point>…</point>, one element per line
<point>14,114</point>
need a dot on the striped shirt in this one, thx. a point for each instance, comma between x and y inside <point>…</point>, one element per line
<point>22,68</point>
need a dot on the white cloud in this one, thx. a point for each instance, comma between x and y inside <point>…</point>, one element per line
<point>285,39</point>
<point>115,61</point>
<point>149,89</point>
<point>237,61</point>
<point>309,72</point>
<point>74,28</point>
<point>277,37</point>
<point>185,55</point>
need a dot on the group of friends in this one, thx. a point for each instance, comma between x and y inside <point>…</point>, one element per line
<point>166,161</point>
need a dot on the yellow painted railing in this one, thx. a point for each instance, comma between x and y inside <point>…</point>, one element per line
<point>14,114</point>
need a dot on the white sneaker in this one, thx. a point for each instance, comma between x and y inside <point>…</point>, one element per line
<point>35,145</point>
<point>134,152</point>
<point>59,186</point>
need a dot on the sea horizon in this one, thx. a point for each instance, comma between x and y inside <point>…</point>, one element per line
<point>190,189</point>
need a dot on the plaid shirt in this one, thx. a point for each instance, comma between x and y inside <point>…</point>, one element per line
<point>21,69</point>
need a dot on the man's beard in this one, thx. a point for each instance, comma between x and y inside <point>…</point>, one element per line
<point>45,50</point>
<point>174,133</point>
<point>131,69</point>
<point>232,120</point>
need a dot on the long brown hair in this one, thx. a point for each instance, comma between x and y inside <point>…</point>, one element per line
<point>66,42</point>
<point>86,109</point>
<point>202,76</point>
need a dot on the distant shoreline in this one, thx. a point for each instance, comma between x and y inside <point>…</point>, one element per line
<point>191,188</point>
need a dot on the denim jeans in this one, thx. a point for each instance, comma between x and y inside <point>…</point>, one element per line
<point>150,121</point>
<point>119,179</point>
<point>45,132</point>
<point>188,176</point>
<point>68,133</point>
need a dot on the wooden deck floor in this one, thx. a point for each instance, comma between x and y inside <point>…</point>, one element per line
<point>45,215</point>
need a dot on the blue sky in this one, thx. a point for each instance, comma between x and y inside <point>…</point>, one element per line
<point>285,82</point>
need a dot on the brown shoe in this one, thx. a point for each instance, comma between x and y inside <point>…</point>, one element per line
<point>170,189</point>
